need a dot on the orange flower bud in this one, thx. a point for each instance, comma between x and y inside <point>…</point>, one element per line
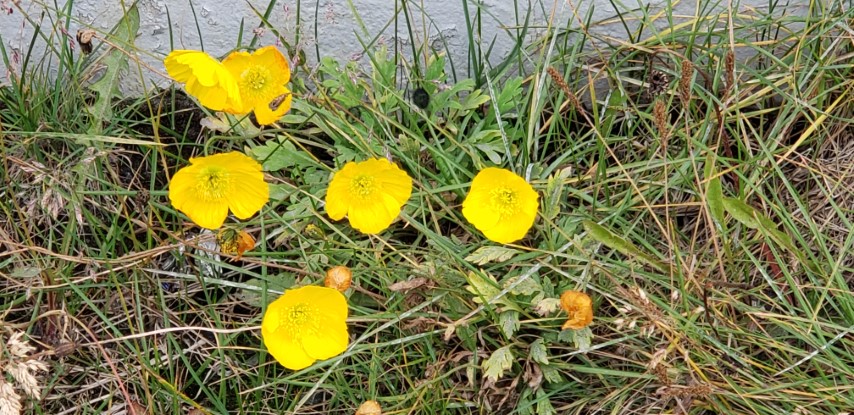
<point>579,307</point>
<point>339,278</point>
<point>235,242</point>
<point>369,408</point>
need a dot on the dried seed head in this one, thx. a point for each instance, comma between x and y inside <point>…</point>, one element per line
<point>369,408</point>
<point>84,38</point>
<point>659,116</point>
<point>65,349</point>
<point>557,78</point>
<point>729,70</point>
<point>339,278</point>
<point>661,373</point>
<point>658,82</point>
<point>685,81</point>
<point>685,391</point>
<point>10,401</point>
<point>25,378</point>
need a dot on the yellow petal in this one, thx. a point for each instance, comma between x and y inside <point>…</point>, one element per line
<point>205,78</point>
<point>373,208</point>
<point>254,193</point>
<point>370,217</point>
<point>501,222</point>
<point>487,179</point>
<point>236,63</point>
<point>477,210</point>
<point>263,111</point>
<point>505,233</point>
<point>331,340</point>
<point>184,197</point>
<point>261,77</point>
<point>237,183</point>
<point>329,301</point>
<point>271,57</point>
<point>287,351</point>
<point>321,334</point>
<point>397,184</point>
<point>338,194</point>
<point>210,215</point>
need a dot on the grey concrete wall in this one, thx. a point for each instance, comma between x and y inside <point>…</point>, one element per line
<point>329,27</point>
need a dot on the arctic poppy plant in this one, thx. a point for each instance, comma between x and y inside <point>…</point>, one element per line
<point>244,82</point>
<point>261,77</point>
<point>305,325</point>
<point>501,204</point>
<point>211,186</point>
<point>370,193</point>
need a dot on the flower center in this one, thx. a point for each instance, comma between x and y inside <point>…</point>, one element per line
<point>505,201</point>
<point>213,183</point>
<point>297,321</point>
<point>256,77</point>
<point>363,186</point>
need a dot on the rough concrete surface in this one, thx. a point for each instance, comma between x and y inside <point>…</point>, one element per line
<point>326,27</point>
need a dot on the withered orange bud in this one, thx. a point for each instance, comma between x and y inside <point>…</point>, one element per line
<point>234,242</point>
<point>339,278</point>
<point>579,307</point>
<point>369,408</point>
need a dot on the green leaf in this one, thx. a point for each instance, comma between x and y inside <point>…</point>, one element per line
<point>484,287</point>
<point>499,362</point>
<point>538,352</point>
<point>115,62</point>
<point>714,197</point>
<point>509,321</point>
<point>554,193</point>
<point>616,105</point>
<point>551,374</point>
<point>486,254</point>
<point>544,404</point>
<point>714,192</point>
<point>529,286</point>
<point>511,91</point>
<point>752,218</point>
<point>281,154</point>
<point>623,246</point>
<point>583,338</point>
<point>473,101</point>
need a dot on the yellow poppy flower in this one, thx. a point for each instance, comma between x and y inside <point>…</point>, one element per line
<point>501,204</point>
<point>210,186</point>
<point>261,77</point>
<point>205,78</point>
<point>304,325</point>
<point>370,193</point>
<point>579,307</point>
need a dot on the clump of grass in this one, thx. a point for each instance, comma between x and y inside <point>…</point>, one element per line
<point>698,194</point>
